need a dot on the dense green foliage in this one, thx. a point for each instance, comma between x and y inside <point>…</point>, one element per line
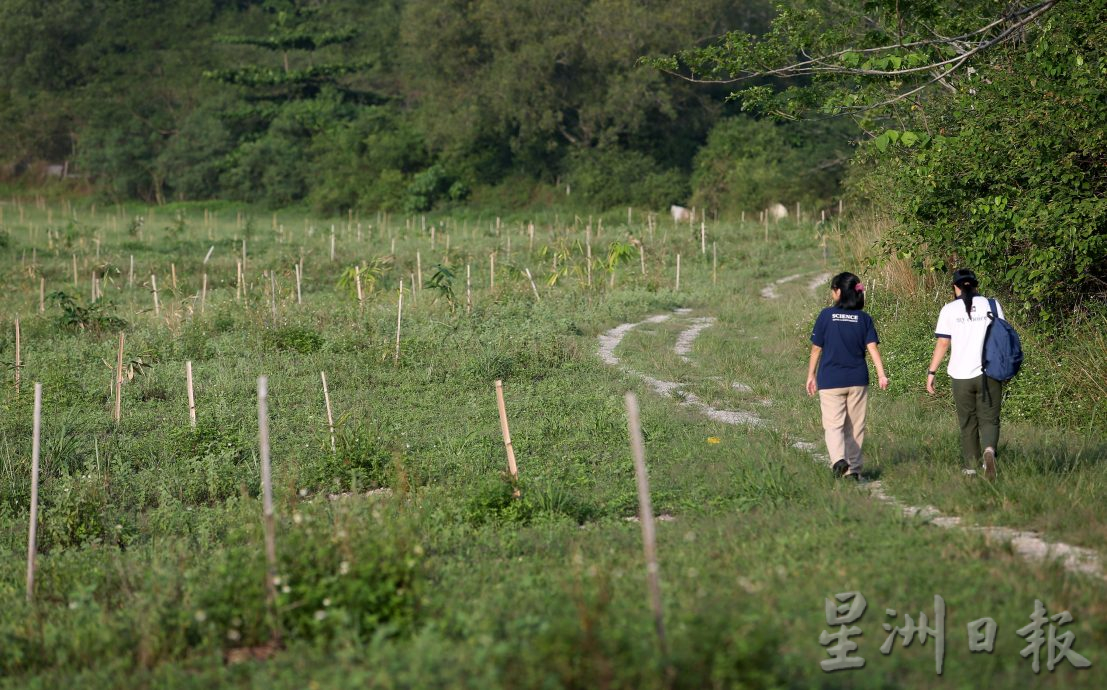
<point>986,121</point>
<point>393,105</point>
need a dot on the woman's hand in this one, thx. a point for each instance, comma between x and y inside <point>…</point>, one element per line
<point>930,384</point>
<point>883,380</point>
<point>811,387</point>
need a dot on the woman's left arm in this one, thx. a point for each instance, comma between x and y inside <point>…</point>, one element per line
<point>874,351</point>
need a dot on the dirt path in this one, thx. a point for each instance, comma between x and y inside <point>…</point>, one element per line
<point>1026,543</point>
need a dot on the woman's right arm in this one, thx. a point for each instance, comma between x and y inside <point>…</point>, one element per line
<point>812,365</point>
<point>941,347</point>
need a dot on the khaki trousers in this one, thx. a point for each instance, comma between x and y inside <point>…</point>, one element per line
<point>844,423</point>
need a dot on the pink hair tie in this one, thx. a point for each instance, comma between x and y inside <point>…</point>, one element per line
<point>859,287</point>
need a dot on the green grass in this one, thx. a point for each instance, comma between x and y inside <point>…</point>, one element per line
<point>151,565</point>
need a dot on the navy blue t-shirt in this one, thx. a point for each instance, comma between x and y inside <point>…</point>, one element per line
<point>843,335</point>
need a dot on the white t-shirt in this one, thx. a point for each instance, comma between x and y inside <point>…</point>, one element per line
<point>966,335</point>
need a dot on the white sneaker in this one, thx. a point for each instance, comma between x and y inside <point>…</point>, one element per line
<point>969,472</point>
<point>989,463</point>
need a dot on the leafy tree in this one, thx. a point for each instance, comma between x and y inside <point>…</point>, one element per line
<point>985,123</point>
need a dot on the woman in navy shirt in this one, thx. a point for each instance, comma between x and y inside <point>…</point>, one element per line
<point>840,338</point>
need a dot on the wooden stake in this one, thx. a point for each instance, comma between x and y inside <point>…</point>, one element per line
<point>468,288</point>
<point>645,517</point>
<point>418,271</point>
<point>131,273</point>
<point>238,282</point>
<point>399,318</point>
<point>18,356</point>
<point>642,257</point>
<point>117,415</point>
<point>154,283</point>
<point>299,279</point>
<point>191,395</point>
<point>532,285</point>
<point>242,271</point>
<point>332,243</point>
<point>678,273</point>
<point>203,293</point>
<point>267,505</point>
<point>511,466</point>
<point>173,276</point>
<point>42,295</point>
<point>492,271</point>
<point>330,414</point>
<point>32,530</point>
<point>703,239</point>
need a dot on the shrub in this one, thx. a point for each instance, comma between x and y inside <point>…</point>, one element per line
<point>608,177</point>
<point>294,338</point>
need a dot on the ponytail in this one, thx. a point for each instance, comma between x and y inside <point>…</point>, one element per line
<point>968,292</point>
<point>966,280</point>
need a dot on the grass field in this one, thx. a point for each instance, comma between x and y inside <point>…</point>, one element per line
<point>151,570</point>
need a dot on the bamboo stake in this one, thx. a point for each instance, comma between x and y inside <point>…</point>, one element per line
<point>678,273</point>
<point>203,293</point>
<point>243,269</point>
<point>238,281</point>
<point>588,252</point>
<point>273,293</point>
<point>360,294</point>
<point>642,257</point>
<point>299,277</point>
<point>117,415</point>
<point>131,273</point>
<point>330,414</point>
<point>468,288</point>
<point>714,263</point>
<point>645,518</point>
<point>173,275</point>
<point>399,317</point>
<point>418,270</point>
<point>532,285</point>
<point>492,271</point>
<point>191,395</point>
<point>332,242</point>
<point>703,239</point>
<point>32,530</point>
<point>208,255</point>
<point>18,355</point>
<point>42,295</point>
<point>154,283</point>
<point>511,466</point>
<point>267,505</point>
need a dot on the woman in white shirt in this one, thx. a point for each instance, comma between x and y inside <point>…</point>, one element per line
<point>962,326</point>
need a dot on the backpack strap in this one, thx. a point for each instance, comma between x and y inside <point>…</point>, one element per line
<point>993,310</point>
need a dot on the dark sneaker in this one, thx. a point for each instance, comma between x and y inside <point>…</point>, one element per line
<point>840,468</point>
<point>855,476</point>
<point>989,463</point>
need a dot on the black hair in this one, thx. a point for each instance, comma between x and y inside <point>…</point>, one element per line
<point>851,295</point>
<point>966,280</point>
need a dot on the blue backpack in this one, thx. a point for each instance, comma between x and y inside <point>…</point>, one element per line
<point>1002,356</point>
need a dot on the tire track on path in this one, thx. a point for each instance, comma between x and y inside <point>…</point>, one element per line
<point>1027,544</point>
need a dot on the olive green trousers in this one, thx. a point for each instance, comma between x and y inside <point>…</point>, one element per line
<point>978,402</point>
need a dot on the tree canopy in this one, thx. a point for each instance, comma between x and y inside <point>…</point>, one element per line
<point>985,125</point>
<point>394,104</point>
